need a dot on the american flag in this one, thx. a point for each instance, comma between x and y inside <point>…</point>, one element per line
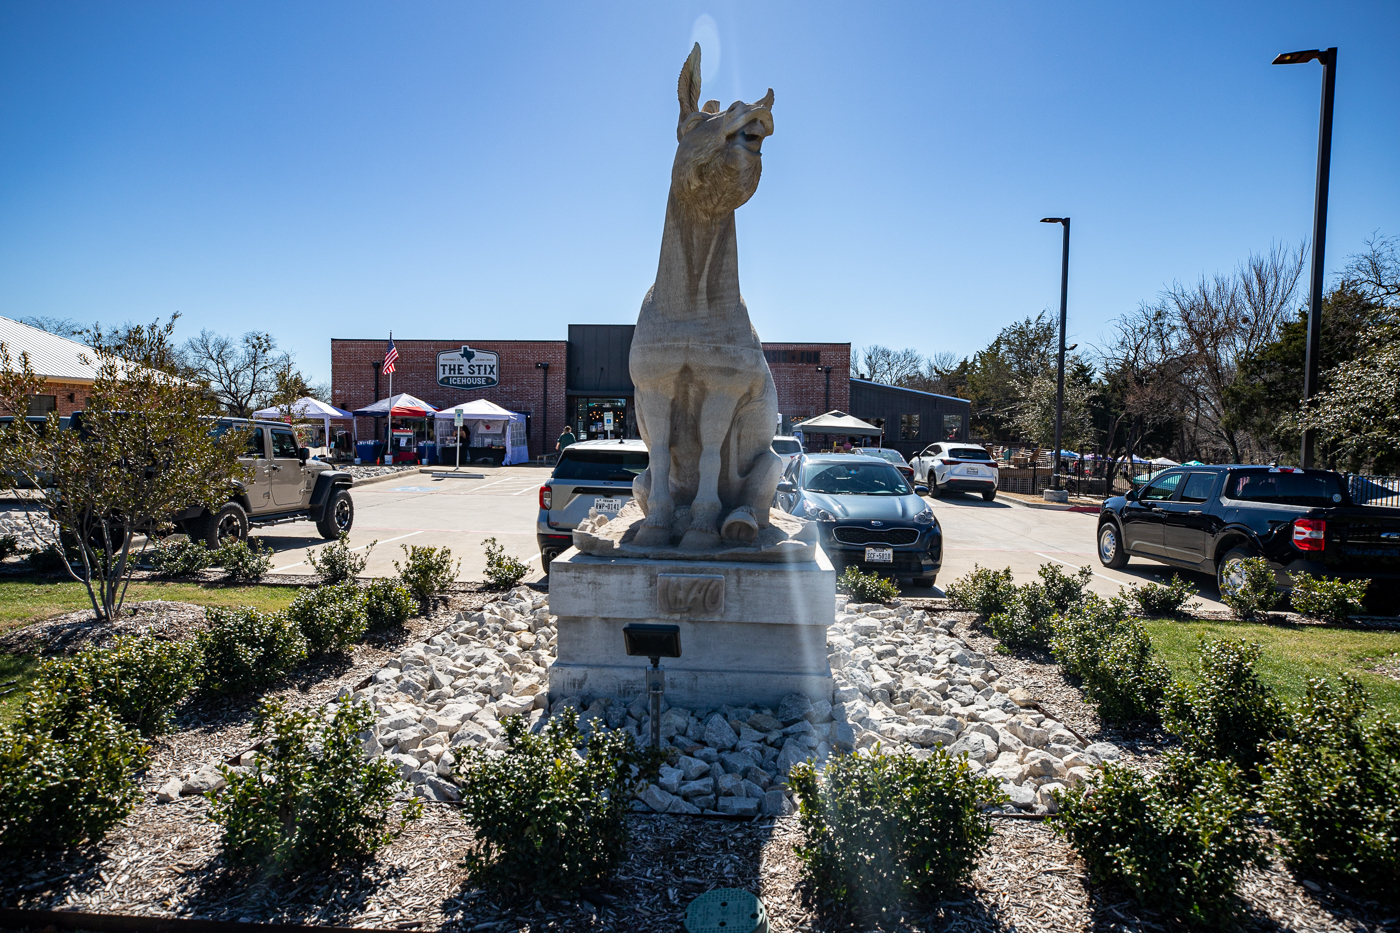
<point>390,355</point>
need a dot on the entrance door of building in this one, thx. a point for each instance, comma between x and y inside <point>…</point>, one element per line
<point>602,418</point>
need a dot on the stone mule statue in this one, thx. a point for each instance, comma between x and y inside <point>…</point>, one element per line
<point>706,404</point>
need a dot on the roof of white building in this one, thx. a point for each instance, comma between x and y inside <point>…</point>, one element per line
<point>51,356</point>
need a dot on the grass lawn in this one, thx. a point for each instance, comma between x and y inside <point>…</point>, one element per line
<point>1292,654</point>
<point>23,602</point>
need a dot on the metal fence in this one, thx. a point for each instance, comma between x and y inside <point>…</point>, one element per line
<point>1374,490</point>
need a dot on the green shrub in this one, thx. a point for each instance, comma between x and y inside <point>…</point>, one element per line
<point>1156,600</point>
<point>1330,600</point>
<point>1026,620</point>
<point>886,830</point>
<point>1100,643</point>
<point>502,571</point>
<point>1254,594</point>
<point>180,558</point>
<point>336,563</point>
<point>1332,792</point>
<point>311,798</point>
<point>244,649</point>
<point>388,603</point>
<point>331,617</point>
<point>1229,714</point>
<point>866,587</point>
<point>57,792</point>
<point>48,559</point>
<point>549,814</point>
<point>983,590</point>
<point>244,561</point>
<point>138,679</point>
<point>427,571</point>
<point>9,544</point>
<point>1177,841</point>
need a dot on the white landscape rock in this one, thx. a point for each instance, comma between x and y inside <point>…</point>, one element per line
<point>903,682</point>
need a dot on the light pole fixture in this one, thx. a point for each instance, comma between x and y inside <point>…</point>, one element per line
<point>544,408</point>
<point>827,370</point>
<point>1060,366</point>
<point>655,641</point>
<point>1312,361</point>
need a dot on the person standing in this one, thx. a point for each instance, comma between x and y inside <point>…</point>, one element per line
<point>566,437</point>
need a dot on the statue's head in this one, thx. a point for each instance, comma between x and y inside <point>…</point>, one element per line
<point>718,161</point>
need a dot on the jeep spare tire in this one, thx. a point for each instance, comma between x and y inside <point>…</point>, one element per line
<point>338,516</point>
<point>228,523</point>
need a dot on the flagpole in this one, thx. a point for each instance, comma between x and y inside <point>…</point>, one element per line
<point>390,443</point>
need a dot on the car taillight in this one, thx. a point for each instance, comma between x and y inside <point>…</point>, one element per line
<point>546,498</point>
<point>1308,533</point>
<point>951,462</point>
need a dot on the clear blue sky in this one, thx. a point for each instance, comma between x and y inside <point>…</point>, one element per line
<point>457,170</point>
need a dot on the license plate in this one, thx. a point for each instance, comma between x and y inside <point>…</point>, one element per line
<point>973,471</point>
<point>879,555</point>
<point>607,505</point>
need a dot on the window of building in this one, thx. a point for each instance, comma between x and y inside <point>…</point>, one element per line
<point>909,427</point>
<point>952,427</point>
<point>43,404</point>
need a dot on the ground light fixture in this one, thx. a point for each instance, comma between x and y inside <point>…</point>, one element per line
<point>1328,59</point>
<point>1060,367</point>
<point>653,640</point>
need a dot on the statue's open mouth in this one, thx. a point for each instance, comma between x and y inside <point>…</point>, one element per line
<point>751,136</point>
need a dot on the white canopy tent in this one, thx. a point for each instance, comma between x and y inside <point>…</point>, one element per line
<point>309,409</point>
<point>1163,462</point>
<point>487,421</point>
<point>838,423</point>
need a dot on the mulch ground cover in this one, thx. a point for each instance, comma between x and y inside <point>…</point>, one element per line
<point>163,860</point>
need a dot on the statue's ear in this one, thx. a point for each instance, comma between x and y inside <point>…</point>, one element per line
<point>688,87</point>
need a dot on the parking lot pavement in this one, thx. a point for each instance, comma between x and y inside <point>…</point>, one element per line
<point>416,509</point>
<point>1007,533</point>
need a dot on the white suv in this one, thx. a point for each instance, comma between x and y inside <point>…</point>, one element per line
<point>950,466</point>
<point>589,475</point>
<point>789,448</point>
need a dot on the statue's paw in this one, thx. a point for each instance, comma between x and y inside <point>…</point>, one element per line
<point>697,539</point>
<point>740,526</point>
<point>652,536</point>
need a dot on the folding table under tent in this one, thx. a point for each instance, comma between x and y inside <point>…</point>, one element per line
<point>310,409</point>
<point>487,421</point>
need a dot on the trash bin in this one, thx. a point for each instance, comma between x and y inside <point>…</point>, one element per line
<point>427,452</point>
<point>365,451</point>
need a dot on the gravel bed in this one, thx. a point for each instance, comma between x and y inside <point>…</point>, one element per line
<point>163,860</point>
<point>364,471</point>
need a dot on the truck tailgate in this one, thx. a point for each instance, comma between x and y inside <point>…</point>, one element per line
<point>1363,540</point>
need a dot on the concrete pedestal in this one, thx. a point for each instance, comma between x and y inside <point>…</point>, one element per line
<point>751,633</point>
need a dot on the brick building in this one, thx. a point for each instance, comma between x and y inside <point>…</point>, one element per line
<point>586,380</point>
<point>67,375</point>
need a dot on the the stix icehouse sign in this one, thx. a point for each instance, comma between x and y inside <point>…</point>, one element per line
<point>468,369</point>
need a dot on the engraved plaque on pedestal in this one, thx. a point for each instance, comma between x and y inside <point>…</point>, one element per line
<point>699,593</point>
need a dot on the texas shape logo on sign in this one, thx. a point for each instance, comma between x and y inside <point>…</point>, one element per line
<point>468,369</point>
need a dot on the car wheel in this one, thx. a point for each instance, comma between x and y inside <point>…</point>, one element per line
<point>989,495</point>
<point>228,524</point>
<point>1112,554</point>
<point>934,491</point>
<point>1229,573</point>
<point>546,558</point>
<point>338,516</point>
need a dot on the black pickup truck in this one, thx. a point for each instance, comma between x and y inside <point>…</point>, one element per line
<point>1207,518</point>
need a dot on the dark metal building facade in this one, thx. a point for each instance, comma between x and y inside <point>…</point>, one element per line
<point>912,419</point>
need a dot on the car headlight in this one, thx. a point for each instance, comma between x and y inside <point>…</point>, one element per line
<point>925,517</point>
<point>816,514</point>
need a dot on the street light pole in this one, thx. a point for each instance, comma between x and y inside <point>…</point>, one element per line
<point>1060,366</point>
<point>1312,361</point>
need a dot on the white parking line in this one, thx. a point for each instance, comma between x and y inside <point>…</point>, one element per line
<point>525,490</point>
<point>354,549</point>
<point>1077,566</point>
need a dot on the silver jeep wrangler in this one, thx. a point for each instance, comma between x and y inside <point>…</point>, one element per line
<point>280,484</point>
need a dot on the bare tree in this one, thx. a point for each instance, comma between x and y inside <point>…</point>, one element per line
<point>886,366</point>
<point>242,373</point>
<point>1143,371</point>
<point>1376,272</point>
<point>1223,318</point>
<point>63,327</point>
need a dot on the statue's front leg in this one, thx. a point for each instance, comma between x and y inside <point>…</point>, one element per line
<point>751,512</point>
<point>654,416</point>
<point>716,418</point>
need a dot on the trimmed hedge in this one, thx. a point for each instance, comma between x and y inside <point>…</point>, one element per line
<point>244,649</point>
